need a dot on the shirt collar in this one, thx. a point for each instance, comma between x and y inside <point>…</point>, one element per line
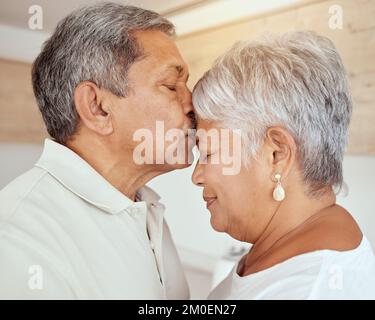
<point>84,181</point>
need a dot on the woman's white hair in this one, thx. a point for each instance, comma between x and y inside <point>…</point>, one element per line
<point>297,81</point>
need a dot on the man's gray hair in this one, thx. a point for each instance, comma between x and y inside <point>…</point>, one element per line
<point>297,81</point>
<point>94,43</point>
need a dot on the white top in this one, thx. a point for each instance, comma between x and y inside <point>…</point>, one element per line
<point>322,274</point>
<point>67,233</point>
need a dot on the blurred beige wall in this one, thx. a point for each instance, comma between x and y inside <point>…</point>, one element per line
<point>20,120</point>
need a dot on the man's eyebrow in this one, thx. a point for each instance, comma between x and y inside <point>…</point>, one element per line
<point>178,68</point>
<point>182,71</point>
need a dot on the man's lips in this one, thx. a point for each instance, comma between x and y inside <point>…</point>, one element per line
<point>209,200</point>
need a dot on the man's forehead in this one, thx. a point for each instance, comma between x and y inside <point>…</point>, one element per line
<point>167,64</point>
<point>156,43</point>
<point>160,48</point>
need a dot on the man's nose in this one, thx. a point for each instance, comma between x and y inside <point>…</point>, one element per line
<point>189,110</point>
<point>197,176</point>
<point>187,102</point>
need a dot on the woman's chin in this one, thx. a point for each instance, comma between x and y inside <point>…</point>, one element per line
<point>217,225</point>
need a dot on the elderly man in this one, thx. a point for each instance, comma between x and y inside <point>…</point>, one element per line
<point>81,224</point>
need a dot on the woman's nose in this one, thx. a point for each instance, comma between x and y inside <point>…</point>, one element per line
<point>197,176</point>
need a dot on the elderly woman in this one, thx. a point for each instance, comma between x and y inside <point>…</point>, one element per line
<point>290,98</point>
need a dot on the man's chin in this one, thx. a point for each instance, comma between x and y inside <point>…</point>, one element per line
<point>180,166</point>
<point>183,162</point>
<point>164,168</point>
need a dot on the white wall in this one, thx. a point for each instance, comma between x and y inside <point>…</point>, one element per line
<point>359,174</point>
<point>188,218</point>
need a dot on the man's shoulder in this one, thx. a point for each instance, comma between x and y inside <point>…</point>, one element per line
<point>22,192</point>
<point>30,208</point>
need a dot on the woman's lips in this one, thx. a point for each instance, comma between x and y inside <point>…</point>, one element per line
<point>209,201</point>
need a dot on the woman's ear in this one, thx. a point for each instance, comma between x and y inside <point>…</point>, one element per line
<point>89,103</point>
<point>282,150</point>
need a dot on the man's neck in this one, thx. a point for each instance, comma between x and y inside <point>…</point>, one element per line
<point>127,178</point>
<point>118,168</point>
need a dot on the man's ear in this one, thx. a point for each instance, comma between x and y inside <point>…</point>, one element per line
<point>88,100</point>
<point>282,150</point>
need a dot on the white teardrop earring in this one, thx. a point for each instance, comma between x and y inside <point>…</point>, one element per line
<point>279,192</point>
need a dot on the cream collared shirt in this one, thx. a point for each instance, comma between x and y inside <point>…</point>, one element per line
<point>67,233</point>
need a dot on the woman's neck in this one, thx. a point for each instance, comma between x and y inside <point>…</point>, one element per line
<point>294,212</point>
